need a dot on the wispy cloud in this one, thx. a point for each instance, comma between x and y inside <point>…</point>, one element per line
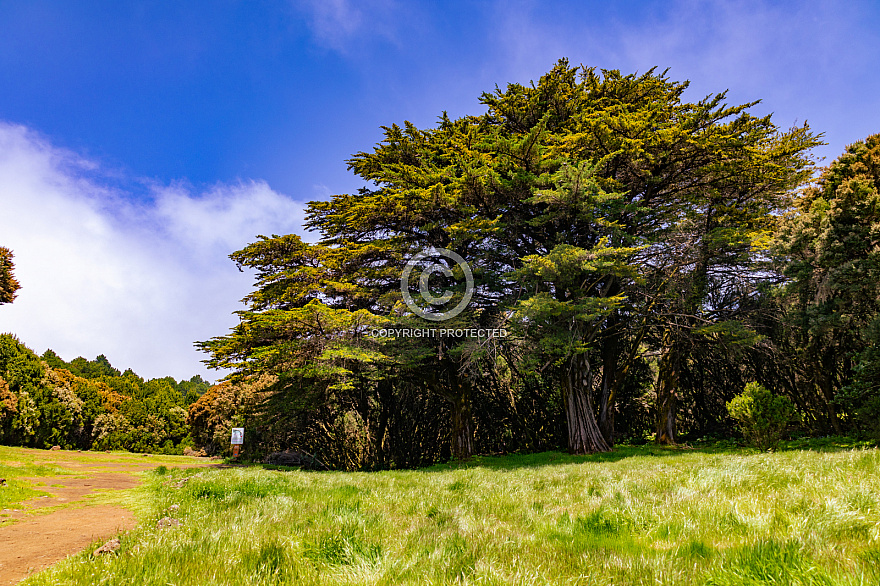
<point>103,272</point>
<point>804,60</point>
<point>801,59</point>
<point>340,24</point>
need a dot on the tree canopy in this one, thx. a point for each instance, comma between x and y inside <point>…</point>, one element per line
<point>828,247</point>
<point>610,226</point>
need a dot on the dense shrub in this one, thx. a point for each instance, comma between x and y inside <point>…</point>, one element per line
<point>762,416</point>
<point>222,407</point>
<point>85,404</point>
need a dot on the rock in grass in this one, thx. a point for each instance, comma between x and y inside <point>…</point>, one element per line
<point>108,547</point>
<point>292,458</point>
<point>288,458</point>
<point>166,522</point>
<point>182,481</point>
<point>56,448</point>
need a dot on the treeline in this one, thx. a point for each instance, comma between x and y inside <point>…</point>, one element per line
<point>88,404</point>
<point>648,256</point>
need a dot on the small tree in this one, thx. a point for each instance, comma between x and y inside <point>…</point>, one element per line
<point>761,415</point>
<point>8,284</point>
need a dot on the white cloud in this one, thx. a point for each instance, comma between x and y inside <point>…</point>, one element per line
<point>338,23</point>
<point>105,273</point>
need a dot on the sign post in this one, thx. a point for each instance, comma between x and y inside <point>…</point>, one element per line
<point>237,440</point>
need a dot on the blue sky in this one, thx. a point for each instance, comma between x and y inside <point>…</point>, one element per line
<point>141,143</point>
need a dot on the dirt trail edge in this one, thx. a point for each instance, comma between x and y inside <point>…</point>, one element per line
<point>37,540</point>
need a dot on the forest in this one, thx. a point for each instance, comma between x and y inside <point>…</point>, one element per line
<point>663,270</point>
<point>88,404</point>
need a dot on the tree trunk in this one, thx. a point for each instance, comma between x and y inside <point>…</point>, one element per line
<point>823,370</point>
<point>462,418</point>
<point>606,415</point>
<point>667,389</point>
<point>584,436</point>
<point>457,391</point>
<point>385,395</point>
<point>610,358</point>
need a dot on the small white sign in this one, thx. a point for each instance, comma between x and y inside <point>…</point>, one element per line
<point>237,435</point>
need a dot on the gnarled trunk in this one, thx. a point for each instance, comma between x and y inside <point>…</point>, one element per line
<point>606,415</point>
<point>667,389</point>
<point>584,436</point>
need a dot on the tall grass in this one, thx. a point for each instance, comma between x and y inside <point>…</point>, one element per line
<point>638,516</point>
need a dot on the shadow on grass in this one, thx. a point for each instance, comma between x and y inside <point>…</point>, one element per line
<point>620,452</point>
<point>515,461</point>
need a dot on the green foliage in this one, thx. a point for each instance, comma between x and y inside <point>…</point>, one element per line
<point>192,389</point>
<point>8,284</point>
<point>828,248</point>
<point>862,396</point>
<point>97,368</point>
<point>223,406</point>
<point>597,211</point>
<point>89,404</point>
<point>763,417</point>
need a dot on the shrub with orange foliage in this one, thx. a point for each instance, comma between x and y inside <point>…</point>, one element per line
<point>222,407</point>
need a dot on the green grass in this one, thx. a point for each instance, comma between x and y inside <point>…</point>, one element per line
<point>15,464</point>
<point>643,515</point>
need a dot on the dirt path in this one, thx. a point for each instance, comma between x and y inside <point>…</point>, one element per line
<point>39,539</point>
<point>32,545</point>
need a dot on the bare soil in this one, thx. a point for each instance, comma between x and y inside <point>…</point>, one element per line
<point>38,539</point>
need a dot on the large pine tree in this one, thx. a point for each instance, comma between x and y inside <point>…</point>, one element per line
<point>599,213</point>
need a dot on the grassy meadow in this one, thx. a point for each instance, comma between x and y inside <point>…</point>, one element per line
<point>640,515</point>
<point>22,467</point>
<point>15,465</point>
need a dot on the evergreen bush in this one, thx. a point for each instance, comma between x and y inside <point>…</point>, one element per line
<point>762,416</point>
